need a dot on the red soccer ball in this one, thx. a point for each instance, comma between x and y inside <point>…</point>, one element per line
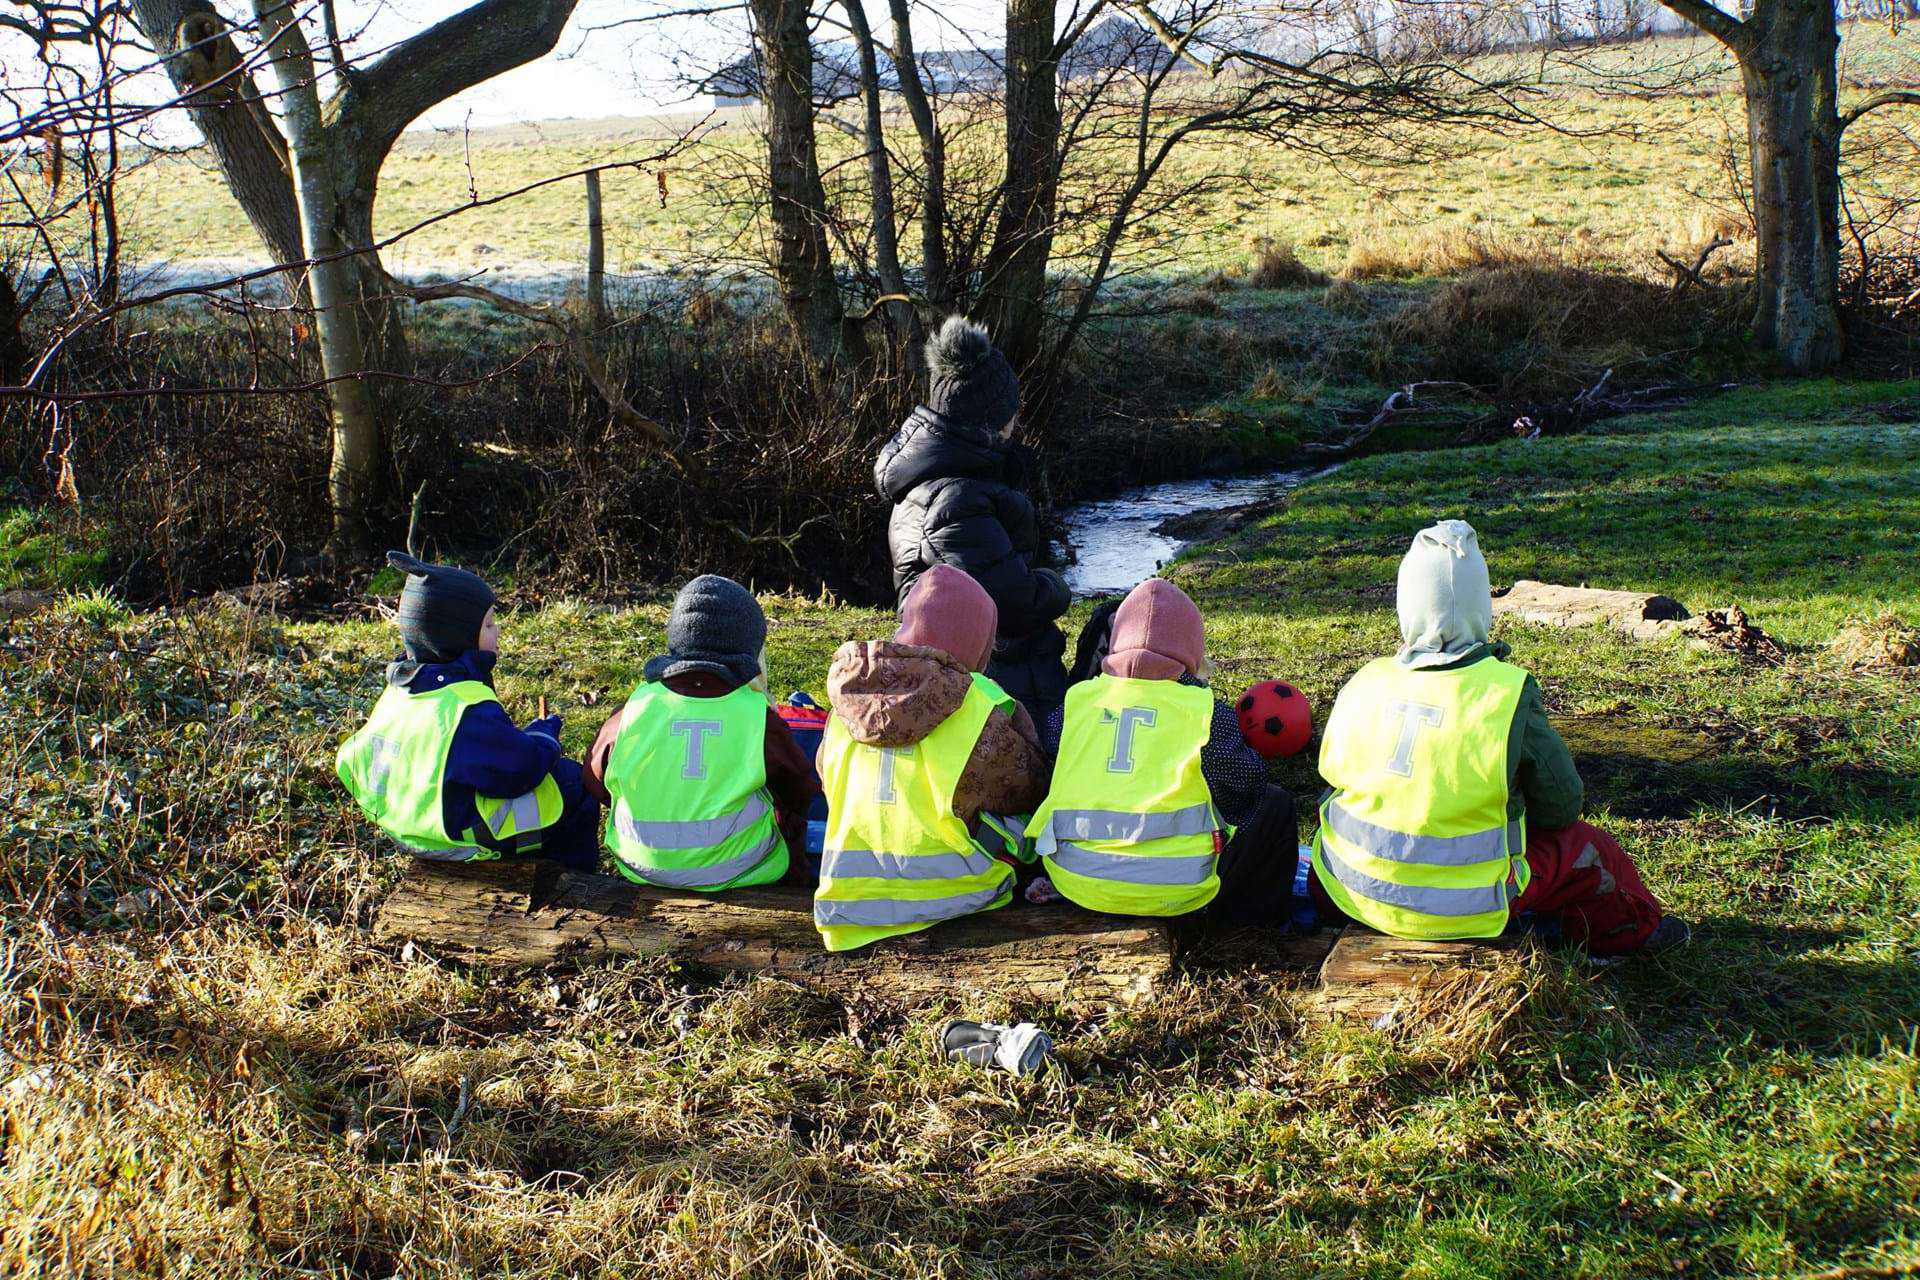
<point>1275,719</point>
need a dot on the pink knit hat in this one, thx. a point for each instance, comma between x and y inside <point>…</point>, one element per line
<point>1157,634</point>
<point>949,611</point>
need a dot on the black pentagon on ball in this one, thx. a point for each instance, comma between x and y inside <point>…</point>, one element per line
<point>1246,703</point>
<point>1285,691</point>
<point>1273,725</point>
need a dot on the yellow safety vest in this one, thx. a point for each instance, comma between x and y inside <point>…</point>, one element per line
<point>1129,826</point>
<point>897,857</point>
<point>396,769</point>
<point>688,777</point>
<point>1414,839</point>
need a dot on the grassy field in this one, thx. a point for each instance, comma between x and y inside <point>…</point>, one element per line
<point>1616,177</point>
<point>209,1069</point>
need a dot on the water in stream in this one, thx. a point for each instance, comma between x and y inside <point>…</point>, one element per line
<point>1119,542</point>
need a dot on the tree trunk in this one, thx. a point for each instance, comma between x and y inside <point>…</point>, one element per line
<point>334,282</point>
<point>802,262</point>
<point>227,109</point>
<point>532,913</point>
<point>933,157</point>
<point>1014,297</point>
<point>382,317</point>
<point>1793,134</point>
<point>886,236</point>
<point>596,256</point>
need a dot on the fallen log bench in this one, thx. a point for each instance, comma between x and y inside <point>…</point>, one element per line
<point>1639,613</point>
<point>533,913</point>
<point>1372,979</point>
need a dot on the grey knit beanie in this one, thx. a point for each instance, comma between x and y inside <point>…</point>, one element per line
<point>716,625</point>
<point>441,608</point>
<point>970,382</point>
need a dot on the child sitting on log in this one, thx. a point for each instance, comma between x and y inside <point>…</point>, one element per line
<point>1158,805</point>
<point>439,766</point>
<point>921,751</point>
<point>1454,806</point>
<point>705,785</point>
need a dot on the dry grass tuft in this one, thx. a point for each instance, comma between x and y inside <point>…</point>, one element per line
<point>1276,266</point>
<point>1542,324</point>
<point>1345,296</point>
<point>1877,643</point>
<point>1434,251</point>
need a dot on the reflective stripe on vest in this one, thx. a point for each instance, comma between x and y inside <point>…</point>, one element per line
<point>699,833</point>
<point>396,766</point>
<point>1415,839</point>
<point>1081,861</point>
<point>845,864</point>
<point>1130,826</point>
<point>688,779</point>
<point>1434,851</point>
<point>892,913</point>
<point>898,858</point>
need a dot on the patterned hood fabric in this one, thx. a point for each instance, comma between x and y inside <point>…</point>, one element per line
<point>893,695</point>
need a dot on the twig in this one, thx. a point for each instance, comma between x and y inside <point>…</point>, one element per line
<point>1391,408</point>
<point>577,346</point>
<point>1685,275</point>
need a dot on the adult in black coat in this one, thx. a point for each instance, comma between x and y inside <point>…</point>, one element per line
<point>952,472</point>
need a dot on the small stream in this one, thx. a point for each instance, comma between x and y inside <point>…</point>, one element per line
<point>1120,541</point>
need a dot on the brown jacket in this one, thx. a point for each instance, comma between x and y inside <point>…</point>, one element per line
<point>893,695</point>
<point>790,776</point>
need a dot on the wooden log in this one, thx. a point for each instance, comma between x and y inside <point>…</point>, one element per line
<point>533,913</point>
<point>1642,614</point>
<point>1371,978</point>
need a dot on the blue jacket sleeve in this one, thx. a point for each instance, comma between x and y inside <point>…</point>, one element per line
<point>1235,773</point>
<point>496,758</point>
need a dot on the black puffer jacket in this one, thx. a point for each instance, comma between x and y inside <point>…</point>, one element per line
<point>954,502</point>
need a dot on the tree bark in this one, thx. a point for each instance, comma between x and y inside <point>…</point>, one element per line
<point>1787,51</point>
<point>596,256</point>
<point>1014,296</point>
<point>334,284</point>
<point>1793,135</point>
<point>933,157</point>
<point>532,913</point>
<point>802,260</point>
<point>225,106</point>
<point>886,236</point>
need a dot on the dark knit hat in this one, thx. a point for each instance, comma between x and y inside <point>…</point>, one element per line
<point>971,383</point>
<point>441,608</point>
<point>716,625</point>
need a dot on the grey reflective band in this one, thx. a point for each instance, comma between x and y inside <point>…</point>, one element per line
<point>710,875</point>
<point>1117,824</point>
<point>704,833</point>
<point>1132,869</point>
<point>873,912</point>
<point>852,864</point>
<point>1424,899</point>
<point>524,809</point>
<point>1431,851</point>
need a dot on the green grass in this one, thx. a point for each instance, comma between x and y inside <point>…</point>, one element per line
<point>233,1080</point>
<point>41,550</point>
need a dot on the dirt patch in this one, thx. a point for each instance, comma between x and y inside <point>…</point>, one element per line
<point>1881,643</point>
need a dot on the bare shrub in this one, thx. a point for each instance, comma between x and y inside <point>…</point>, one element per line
<point>1544,326</point>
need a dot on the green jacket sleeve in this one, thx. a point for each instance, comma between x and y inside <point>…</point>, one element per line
<point>1544,775</point>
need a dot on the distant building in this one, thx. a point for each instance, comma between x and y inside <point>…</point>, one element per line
<point>1115,43</point>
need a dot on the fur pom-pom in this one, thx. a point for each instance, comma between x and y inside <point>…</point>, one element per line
<point>960,347</point>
